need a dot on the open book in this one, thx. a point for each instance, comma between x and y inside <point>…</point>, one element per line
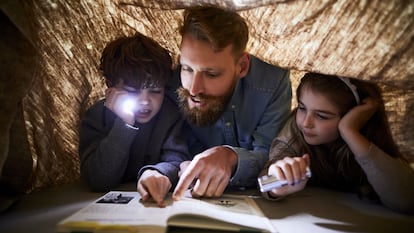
<point>122,211</point>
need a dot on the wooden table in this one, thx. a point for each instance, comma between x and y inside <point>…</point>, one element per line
<point>312,210</point>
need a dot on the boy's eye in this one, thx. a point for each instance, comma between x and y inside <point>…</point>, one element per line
<point>133,92</point>
<point>156,91</point>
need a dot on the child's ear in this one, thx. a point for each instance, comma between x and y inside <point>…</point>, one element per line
<point>108,83</point>
<point>244,63</point>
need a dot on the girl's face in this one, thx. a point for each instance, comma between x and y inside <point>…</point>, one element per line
<point>317,118</point>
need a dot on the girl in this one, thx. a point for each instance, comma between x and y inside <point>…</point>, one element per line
<point>340,131</point>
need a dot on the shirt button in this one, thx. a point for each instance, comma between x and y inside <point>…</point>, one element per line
<point>233,106</point>
<point>228,124</point>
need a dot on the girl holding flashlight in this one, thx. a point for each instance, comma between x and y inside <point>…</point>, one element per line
<point>340,131</point>
<point>136,131</point>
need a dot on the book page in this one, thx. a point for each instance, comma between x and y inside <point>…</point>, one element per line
<point>229,212</point>
<point>121,211</point>
<point>125,212</point>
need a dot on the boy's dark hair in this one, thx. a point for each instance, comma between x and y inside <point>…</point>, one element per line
<point>217,26</point>
<point>138,61</point>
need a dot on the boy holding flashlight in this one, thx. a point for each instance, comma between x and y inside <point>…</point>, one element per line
<point>135,131</point>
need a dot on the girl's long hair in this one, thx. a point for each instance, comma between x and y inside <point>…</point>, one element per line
<point>334,165</point>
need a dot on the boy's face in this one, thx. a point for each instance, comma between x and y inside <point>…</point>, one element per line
<point>144,103</point>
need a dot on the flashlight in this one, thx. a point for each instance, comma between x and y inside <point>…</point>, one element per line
<point>268,183</point>
<point>128,105</point>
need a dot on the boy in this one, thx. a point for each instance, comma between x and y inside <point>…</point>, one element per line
<point>134,131</point>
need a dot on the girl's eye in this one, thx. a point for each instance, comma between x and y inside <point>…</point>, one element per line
<point>322,117</point>
<point>301,107</point>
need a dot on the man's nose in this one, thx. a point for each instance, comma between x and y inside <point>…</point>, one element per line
<point>197,84</point>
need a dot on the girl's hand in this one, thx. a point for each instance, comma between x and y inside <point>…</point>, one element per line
<point>358,116</point>
<point>293,170</point>
<point>351,124</point>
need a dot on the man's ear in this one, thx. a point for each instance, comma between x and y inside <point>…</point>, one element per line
<point>244,63</point>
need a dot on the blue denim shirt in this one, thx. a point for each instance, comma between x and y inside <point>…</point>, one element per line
<point>254,116</point>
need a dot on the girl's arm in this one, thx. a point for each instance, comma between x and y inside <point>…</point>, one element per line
<point>286,164</point>
<point>353,121</point>
<point>392,179</point>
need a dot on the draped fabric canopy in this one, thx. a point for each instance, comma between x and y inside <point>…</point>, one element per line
<point>51,49</point>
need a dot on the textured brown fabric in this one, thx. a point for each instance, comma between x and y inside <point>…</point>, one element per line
<point>371,40</point>
<point>17,65</point>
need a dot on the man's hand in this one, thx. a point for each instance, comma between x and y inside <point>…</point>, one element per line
<point>155,185</point>
<point>183,167</point>
<point>211,169</point>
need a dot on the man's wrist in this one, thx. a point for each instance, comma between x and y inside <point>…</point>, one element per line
<point>234,158</point>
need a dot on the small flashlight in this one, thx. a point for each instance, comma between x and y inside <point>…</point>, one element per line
<point>267,183</point>
<point>128,105</point>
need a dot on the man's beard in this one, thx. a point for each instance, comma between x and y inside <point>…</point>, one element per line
<point>201,118</point>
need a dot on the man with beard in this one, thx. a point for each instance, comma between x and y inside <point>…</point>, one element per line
<point>235,104</point>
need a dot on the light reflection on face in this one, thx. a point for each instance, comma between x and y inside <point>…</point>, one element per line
<point>144,103</point>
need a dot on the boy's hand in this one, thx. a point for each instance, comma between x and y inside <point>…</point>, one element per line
<point>155,185</point>
<point>115,97</point>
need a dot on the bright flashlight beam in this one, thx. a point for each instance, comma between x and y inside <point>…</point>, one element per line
<point>128,106</point>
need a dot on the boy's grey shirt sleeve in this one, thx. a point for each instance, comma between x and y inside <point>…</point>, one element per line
<point>104,160</point>
<point>174,151</point>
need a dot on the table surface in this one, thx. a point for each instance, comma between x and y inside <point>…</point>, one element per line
<point>311,210</point>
